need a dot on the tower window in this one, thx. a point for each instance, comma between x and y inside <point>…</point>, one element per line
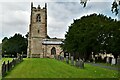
<point>38,18</point>
<point>38,31</point>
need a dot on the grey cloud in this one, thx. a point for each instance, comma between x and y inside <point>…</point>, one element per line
<point>15,6</point>
<point>16,16</point>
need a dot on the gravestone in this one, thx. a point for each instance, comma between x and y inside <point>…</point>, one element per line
<point>77,63</point>
<point>3,68</point>
<point>61,58</point>
<point>93,59</point>
<point>66,54</point>
<point>113,61</point>
<point>118,61</point>
<point>67,60</point>
<point>81,63</point>
<point>18,55</point>
<point>107,60</point>
<point>8,67</point>
<point>72,60</point>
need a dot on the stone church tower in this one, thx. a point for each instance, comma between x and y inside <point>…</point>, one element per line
<point>37,30</point>
<point>39,44</point>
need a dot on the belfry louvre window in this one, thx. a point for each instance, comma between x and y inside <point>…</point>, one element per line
<point>38,31</point>
<point>38,18</point>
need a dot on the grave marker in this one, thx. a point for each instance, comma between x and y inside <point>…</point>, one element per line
<point>72,60</point>
<point>67,60</point>
<point>113,61</point>
<point>118,61</point>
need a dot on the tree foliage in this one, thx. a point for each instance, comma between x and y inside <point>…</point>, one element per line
<point>114,7</point>
<point>14,45</point>
<point>93,33</point>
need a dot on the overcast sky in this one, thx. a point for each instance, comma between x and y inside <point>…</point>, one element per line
<point>15,16</point>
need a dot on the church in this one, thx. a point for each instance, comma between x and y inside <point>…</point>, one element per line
<point>40,45</point>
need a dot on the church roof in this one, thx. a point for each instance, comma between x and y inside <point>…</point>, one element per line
<point>53,41</point>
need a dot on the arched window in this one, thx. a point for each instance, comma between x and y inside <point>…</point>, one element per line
<point>38,18</point>
<point>53,51</point>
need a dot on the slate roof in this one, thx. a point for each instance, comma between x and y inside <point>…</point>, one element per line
<point>52,41</point>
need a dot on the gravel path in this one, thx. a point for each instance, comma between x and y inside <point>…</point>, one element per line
<point>103,66</point>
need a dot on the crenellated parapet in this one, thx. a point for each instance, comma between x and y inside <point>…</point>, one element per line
<point>35,9</point>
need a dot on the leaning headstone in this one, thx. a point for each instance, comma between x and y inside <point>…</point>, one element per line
<point>67,60</point>
<point>8,66</point>
<point>18,55</point>
<point>113,61</point>
<point>3,69</point>
<point>13,62</point>
<point>72,60</point>
<point>21,57</point>
<point>81,64</point>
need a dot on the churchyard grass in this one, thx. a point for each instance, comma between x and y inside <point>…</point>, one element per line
<point>51,68</point>
<point>6,59</point>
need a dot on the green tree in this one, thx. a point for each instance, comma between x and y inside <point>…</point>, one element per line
<point>114,7</point>
<point>92,33</point>
<point>14,45</point>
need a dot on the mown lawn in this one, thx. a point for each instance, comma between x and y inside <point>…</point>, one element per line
<point>51,68</point>
<point>1,61</point>
<point>6,59</point>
